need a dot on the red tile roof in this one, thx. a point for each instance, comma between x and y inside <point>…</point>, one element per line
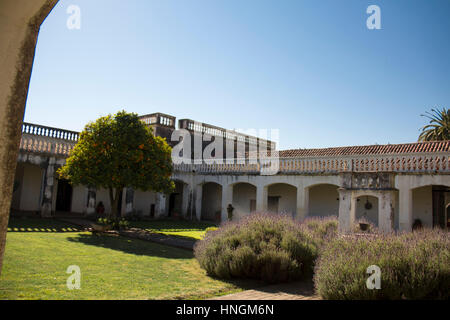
<point>417,147</point>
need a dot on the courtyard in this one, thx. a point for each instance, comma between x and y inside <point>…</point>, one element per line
<point>38,253</point>
<point>234,155</point>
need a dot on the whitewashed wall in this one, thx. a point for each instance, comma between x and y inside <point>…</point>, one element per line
<point>423,205</point>
<point>287,197</point>
<point>323,201</point>
<point>143,201</point>
<point>243,194</point>
<point>30,193</point>
<point>211,200</point>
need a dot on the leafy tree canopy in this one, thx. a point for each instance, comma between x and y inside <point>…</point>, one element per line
<point>119,151</point>
<point>438,127</point>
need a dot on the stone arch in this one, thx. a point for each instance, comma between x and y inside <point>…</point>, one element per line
<point>430,205</point>
<point>243,198</point>
<point>178,199</point>
<point>323,200</point>
<point>367,208</point>
<point>27,190</point>
<point>211,205</point>
<point>282,198</point>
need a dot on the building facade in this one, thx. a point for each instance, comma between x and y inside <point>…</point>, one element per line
<point>392,186</point>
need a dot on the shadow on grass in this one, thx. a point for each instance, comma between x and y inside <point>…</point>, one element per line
<point>40,225</point>
<point>132,246</point>
<point>304,287</point>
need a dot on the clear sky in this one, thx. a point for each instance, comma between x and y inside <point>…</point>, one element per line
<point>310,68</point>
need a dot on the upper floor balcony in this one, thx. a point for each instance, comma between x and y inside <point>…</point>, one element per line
<point>420,157</point>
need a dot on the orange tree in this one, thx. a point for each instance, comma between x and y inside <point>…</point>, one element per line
<point>119,151</point>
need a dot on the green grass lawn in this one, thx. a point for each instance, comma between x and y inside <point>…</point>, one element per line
<point>112,267</point>
<point>181,228</point>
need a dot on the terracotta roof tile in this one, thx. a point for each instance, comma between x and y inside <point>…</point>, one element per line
<point>416,147</point>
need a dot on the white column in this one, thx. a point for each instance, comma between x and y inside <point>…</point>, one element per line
<point>198,201</point>
<point>47,201</point>
<point>261,199</point>
<point>386,206</point>
<point>302,202</point>
<point>185,200</point>
<point>347,206</point>
<point>129,201</point>
<point>227,198</point>
<point>91,200</point>
<point>160,205</point>
<point>405,209</point>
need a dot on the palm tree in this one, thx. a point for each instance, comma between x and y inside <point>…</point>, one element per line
<point>439,126</point>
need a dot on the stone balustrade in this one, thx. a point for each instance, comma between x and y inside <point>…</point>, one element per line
<point>41,144</point>
<point>401,163</point>
<point>50,132</point>
<point>59,142</point>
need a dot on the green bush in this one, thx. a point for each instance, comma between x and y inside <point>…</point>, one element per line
<point>116,224</point>
<point>273,248</point>
<point>322,229</point>
<point>413,266</point>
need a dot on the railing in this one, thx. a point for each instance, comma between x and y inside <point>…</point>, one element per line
<point>41,139</point>
<point>40,144</point>
<point>38,130</point>
<point>406,163</point>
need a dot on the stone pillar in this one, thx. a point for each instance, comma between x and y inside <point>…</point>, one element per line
<point>129,201</point>
<point>47,199</point>
<point>91,200</point>
<point>186,198</point>
<point>160,205</point>
<point>347,207</point>
<point>261,199</point>
<point>405,209</point>
<point>386,207</point>
<point>227,198</point>
<point>198,201</point>
<point>302,203</point>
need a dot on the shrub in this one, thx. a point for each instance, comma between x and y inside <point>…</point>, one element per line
<point>413,266</point>
<point>273,248</point>
<point>321,229</point>
<point>116,224</point>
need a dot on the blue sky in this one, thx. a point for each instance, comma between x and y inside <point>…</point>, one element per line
<point>309,68</point>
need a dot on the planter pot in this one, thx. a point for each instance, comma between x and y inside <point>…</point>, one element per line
<point>100,227</point>
<point>364,226</point>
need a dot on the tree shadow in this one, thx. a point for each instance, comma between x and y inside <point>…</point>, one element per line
<point>303,286</point>
<point>132,246</point>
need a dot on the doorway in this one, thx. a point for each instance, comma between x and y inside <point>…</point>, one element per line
<point>64,196</point>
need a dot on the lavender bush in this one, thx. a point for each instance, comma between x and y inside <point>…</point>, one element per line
<point>273,248</point>
<point>413,266</point>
